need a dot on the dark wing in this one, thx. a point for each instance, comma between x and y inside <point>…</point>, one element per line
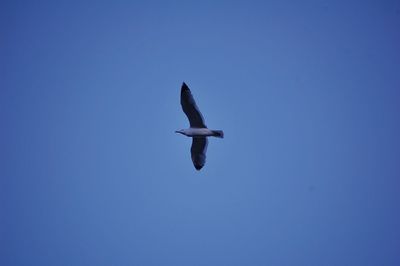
<point>198,151</point>
<point>190,108</point>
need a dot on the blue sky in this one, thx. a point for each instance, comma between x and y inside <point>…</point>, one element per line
<point>307,93</point>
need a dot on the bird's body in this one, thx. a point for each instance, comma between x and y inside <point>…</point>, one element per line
<point>197,130</point>
<point>201,132</point>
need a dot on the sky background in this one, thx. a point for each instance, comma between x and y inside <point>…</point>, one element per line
<point>307,93</point>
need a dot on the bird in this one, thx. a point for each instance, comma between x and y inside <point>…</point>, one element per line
<point>198,130</point>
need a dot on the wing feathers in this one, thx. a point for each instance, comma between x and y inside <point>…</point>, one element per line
<point>198,151</point>
<point>190,108</point>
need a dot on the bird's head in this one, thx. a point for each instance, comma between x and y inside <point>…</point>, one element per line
<point>181,131</point>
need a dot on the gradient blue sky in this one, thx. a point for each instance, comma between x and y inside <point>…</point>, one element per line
<point>307,92</point>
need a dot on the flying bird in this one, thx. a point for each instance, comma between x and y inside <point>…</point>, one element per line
<point>198,130</point>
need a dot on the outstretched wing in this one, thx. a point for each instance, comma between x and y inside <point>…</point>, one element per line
<point>198,151</point>
<point>190,108</point>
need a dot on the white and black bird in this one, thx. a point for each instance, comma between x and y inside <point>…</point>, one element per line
<point>198,130</point>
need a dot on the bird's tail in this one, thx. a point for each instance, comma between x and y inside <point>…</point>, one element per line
<point>218,133</point>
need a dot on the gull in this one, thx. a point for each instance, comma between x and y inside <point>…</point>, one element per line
<point>198,130</point>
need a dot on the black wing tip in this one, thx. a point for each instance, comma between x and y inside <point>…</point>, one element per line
<point>184,86</point>
<point>198,167</point>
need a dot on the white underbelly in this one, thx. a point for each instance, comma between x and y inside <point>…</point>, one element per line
<point>199,132</point>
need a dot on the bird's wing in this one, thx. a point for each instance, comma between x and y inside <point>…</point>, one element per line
<point>198,151</point>
<point>190,108</point>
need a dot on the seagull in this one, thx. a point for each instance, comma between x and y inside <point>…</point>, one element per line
<point>198,130</point>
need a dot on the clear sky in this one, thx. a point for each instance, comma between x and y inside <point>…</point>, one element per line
<point>307,93</point>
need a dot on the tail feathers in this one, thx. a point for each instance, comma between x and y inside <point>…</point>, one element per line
<point>218,133</point>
